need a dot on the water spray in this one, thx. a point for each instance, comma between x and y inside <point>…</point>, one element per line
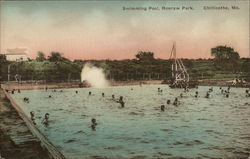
<point>93,75</point>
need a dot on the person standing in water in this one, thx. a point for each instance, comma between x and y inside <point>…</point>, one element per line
<point>32,117</point>
<point>93,124</point>
<point>45,121</point>
<point>207,95</point>
<point>168,101</point>
<point>121,101</point>
<point>181,95</point>
<point>162,108</point>
<point>159,90</point>
<point>175,102</point>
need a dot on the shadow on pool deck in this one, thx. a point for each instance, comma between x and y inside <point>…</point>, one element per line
<point>16,140</point>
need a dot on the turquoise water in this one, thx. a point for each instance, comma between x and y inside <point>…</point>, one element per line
<point>217,127</point>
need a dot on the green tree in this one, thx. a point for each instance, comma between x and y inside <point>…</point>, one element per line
<point>40,56</point>
<point>141,55</point>
<point>226,57</point>
<point>222,53</point>
<point>56,57</point>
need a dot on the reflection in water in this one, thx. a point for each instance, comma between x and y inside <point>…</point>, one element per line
<point>213,127</point>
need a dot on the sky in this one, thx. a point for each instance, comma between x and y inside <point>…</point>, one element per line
<point>103,30</point>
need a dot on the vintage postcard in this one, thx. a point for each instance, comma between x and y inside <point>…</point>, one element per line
<point>124,79</point>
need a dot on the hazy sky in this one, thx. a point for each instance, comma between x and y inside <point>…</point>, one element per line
<point>102,30</point>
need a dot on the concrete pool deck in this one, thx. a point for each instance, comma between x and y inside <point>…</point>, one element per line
<point>16,139</point>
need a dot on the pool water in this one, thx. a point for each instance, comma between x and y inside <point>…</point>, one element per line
<point>215,127</point>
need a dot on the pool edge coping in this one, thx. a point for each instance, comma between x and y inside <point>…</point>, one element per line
<point>54,152</point>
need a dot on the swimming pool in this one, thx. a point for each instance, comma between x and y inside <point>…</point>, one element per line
<point>215,127</point>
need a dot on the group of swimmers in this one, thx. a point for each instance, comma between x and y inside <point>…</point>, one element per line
<point>225,92</point>
<point>26,99</point>
<point>13,91</point>
<point>176,102</point>
<point>45,120</point>
<point>159,90</point>
<point>121,101</point>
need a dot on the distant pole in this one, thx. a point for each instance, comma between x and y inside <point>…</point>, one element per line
<point>9,72</point>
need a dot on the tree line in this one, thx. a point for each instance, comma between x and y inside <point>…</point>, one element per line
<point>57,68</point>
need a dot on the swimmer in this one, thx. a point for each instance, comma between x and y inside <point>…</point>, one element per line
<point>176,102</point>
<point>94,124</point>
<point>93,121</point>
<point>181,95</point>
<point>113,96</point>
<point>163,108</point>
<point>222,91</point>
<point>50,96</point>
<point>227,95</point>
<point>76,92</point>
<point>121,98</point>
<point>45,121</point>
<point>207,95</point>
<point>196,94</point>
<point>159,90</point>
<point>46,118</point>
<point>102,94</point>
<point>32,115</point>
<point>168,101</point>
<point>211,89</point>
<point>89,93</point>
<point>121,101</point>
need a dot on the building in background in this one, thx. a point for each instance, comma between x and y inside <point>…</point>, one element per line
<point>17,54</point>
